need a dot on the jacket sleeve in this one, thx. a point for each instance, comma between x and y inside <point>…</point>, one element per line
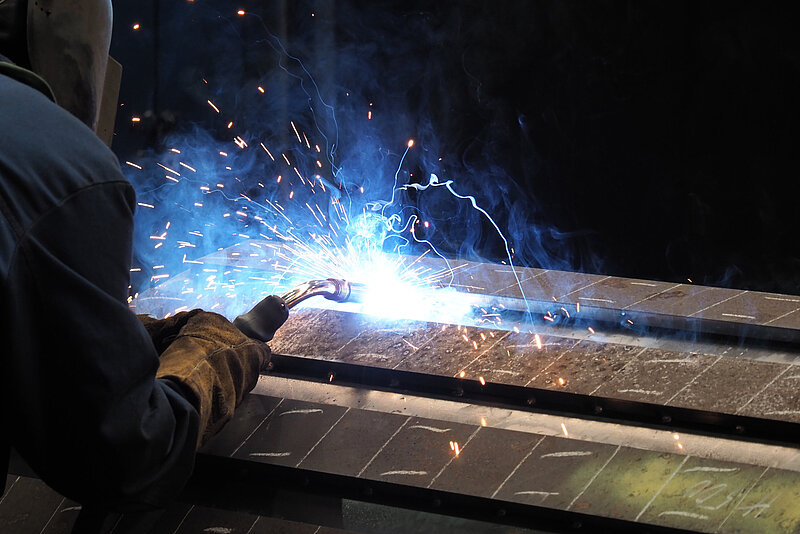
<point>88,413</point>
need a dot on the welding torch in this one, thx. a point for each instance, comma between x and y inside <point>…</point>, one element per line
<point>268,315</point>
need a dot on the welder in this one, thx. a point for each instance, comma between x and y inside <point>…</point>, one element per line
<point>107,408</point>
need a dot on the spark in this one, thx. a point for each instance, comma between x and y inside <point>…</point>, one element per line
<point>176,173</point>
<point>135,166</point>
<point>268,152</point>
<point>482,381</point>
<point>320,231</point>
<point>591,330</point>
<point>295,133</point>
<point>136,26</point>
<point>564,430</point>
<point>538,341</point>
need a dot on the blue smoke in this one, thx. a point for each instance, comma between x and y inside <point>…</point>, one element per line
<point>296,169</point>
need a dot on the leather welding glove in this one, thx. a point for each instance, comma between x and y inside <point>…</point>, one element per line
<point>213,362</point>
<point>164,331</point>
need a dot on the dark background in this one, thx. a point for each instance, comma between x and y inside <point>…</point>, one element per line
<point>655,140</point>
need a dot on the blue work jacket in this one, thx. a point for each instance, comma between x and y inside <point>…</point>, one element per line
<point>79,399</point>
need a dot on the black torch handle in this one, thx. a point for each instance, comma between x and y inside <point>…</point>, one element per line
<point>264,319</point>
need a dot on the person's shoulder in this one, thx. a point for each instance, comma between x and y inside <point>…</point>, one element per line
<point>49,129</point>
<point>46,154</point>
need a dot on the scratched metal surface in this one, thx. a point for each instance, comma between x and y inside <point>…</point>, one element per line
<point>675,378</point>
<point>701,494</point>
<point>683,371</point>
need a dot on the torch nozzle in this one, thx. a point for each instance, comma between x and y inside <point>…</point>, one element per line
<point>268,315</point>
<point>334,289</point>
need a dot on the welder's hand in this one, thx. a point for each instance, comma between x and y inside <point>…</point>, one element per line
<point>215,364</point>
<point>264,319</point>
<point>164,331</point>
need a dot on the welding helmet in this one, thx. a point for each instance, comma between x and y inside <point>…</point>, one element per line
<point>66,43</point>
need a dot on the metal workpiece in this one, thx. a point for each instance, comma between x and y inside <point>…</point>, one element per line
<point>506,467</point>
<point>563,350</point>
<point>314,442</point>
<point>230,281</point>
<point>578,401</point>
<point>646,384</point>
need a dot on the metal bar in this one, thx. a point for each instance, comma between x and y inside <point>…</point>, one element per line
<point>243,485</point>
<point>541,400</point>
<point>642,321</point>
